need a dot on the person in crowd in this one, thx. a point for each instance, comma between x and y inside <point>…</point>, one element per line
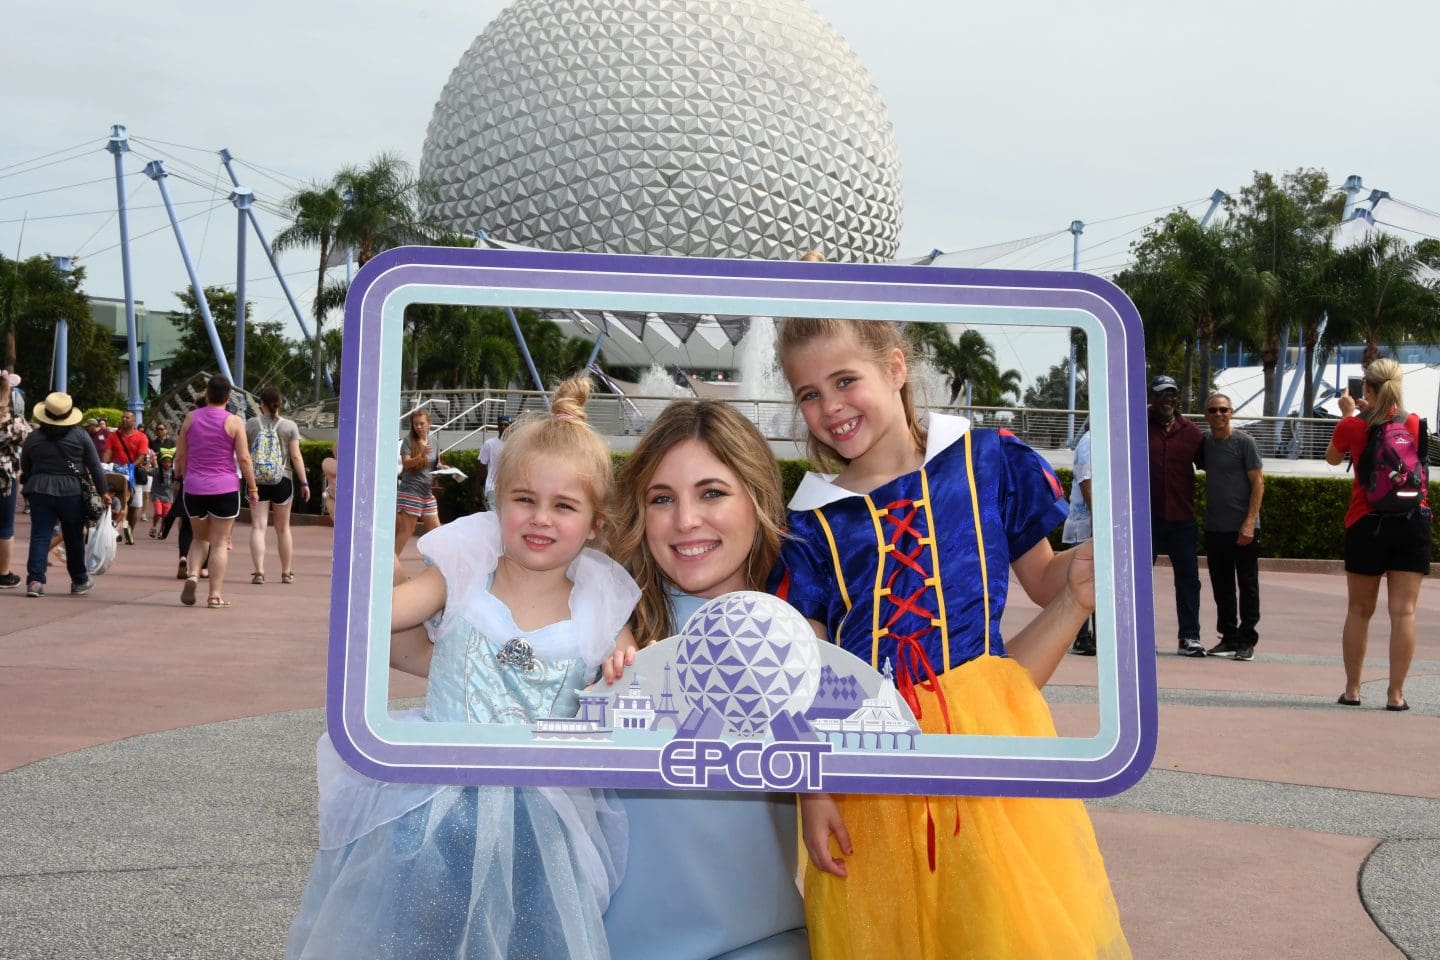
<point>490,455</point>
<point>162,491</point>
<point>13,431</point>
<point>209,452</point>
<point>100,435</point>
<point>159,435</point>
<point>1176,449</point>
<point>415,498</point>
<point>917,528</point>
<point>1078,529</point>
<point>1381,541</point>
<point>52,459</point>
<point>274,443</point>
<point>699,514</point>
<point>1234,487</point>
<point>530,617</point>
<point>128,447</point>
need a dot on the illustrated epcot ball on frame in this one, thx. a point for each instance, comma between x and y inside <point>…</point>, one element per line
<point>747,656</point>
<point>742,128</point>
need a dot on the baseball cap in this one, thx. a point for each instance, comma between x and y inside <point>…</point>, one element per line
<point>92,422</point>
<point>502,419</point>
<point>1162,383</point>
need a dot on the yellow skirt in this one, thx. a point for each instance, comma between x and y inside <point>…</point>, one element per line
<point>1020,877</point>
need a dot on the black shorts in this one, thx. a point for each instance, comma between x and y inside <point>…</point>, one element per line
<point>219,506</point>
<point>278,493</point>
<point>1377,544</point>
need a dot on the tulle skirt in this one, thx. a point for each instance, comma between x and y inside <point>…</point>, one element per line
<point>467,872</point>
<point>1013,877</point>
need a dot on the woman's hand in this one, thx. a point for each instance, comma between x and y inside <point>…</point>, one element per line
<point>1346,403</point>
<point>820,820</point>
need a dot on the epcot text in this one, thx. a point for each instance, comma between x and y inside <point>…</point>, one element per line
<point>749,765</point>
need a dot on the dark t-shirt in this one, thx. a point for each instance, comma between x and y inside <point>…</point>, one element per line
<point>1227,480</point>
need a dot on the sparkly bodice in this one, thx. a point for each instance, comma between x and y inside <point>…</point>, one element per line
<point>490,676</point>
<point>485,669</point>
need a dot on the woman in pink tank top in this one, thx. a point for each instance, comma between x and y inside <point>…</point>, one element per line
<point>209,451</point>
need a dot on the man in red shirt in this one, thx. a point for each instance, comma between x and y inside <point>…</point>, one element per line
<point>1176,449</point>
<point>128,446</point>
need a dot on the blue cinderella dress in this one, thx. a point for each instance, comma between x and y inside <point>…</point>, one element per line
<point>710,875</point>
<point>422,872</point>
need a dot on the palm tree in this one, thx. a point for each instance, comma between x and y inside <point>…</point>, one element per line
<point>317,211</point>
<point>1195,282</point>
<point>1379,294</point>
<point>967,364</point>
<point>381,207</point>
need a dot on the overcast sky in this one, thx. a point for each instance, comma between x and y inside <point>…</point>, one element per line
<point>1013,119</point>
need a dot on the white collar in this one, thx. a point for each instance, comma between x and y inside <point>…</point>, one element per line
<point>818,489</point>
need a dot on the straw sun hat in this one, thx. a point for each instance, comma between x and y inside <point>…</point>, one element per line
<point>58,410</point>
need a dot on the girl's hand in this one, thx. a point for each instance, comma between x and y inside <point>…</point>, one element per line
<point>1080,577</point>
<point>819,820</point>
<point>1346,403</point>
<point>613,668</point>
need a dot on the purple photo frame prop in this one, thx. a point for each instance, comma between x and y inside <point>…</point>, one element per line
<point>357,683</point>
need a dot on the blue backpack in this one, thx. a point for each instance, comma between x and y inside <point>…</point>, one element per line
<point>1392,468</point>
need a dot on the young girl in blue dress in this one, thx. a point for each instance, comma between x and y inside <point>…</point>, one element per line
<point>527,616</point>
<point>905,555</point>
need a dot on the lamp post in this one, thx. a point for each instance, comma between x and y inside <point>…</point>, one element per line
<point>60,375</point>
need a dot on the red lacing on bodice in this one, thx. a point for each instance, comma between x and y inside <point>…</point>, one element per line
<point>912,660</point>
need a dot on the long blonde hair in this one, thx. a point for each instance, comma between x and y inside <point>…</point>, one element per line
<point>875,339</point>
<point>565,435</point>
<point>1385,376</point>
<point>735,442</point>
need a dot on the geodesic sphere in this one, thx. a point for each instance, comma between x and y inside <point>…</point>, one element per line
<point>747,656</point>
<point>744,128</point>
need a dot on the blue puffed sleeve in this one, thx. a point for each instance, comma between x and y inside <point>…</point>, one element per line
<point>803,576</point>
<point>1033,502</point>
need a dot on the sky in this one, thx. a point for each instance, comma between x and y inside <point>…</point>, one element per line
<point>1012,119</point>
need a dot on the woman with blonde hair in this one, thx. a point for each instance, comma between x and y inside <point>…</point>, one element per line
<point>1379,541</point>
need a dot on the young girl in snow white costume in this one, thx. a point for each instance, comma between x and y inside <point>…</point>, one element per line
<point>905,555</point>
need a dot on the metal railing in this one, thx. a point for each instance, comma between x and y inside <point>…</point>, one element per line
<point>1044,429</point>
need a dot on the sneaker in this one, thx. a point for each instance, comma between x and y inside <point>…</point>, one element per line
<point>1084,647</point>
<point>34,589</point>
<point>1191,647</point>
<point>129,536</point>
<point>79,588</point>
<point>9,581</point>
<point>1223,649</point>
<point>183,571</point>
<point>1245,652</point>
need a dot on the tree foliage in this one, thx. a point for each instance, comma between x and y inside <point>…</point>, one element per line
<point>271,358</point>
<point>967,364</point>
<point>33,296</point>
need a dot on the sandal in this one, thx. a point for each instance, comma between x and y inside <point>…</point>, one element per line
<point>1345,701</point>
<point>187,592</point>
<point>214,603</point>
<point>257,578</point>
<point>1397,707</point>
<point>288,576</point>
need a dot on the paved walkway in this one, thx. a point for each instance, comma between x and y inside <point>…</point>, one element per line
<point>158,781</point>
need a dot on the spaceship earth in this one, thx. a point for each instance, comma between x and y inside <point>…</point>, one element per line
<point>747,656</point>
<point>743,128</point>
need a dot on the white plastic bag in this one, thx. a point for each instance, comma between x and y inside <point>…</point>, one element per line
<point>100,551</point>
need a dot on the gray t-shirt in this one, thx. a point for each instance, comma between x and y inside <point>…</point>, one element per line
<point>417,482</point>
<point>1227,482</point>
<point>285,429</point>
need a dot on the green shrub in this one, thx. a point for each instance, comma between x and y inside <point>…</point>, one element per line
<point>1301,518</point>
<point>112,415</point>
